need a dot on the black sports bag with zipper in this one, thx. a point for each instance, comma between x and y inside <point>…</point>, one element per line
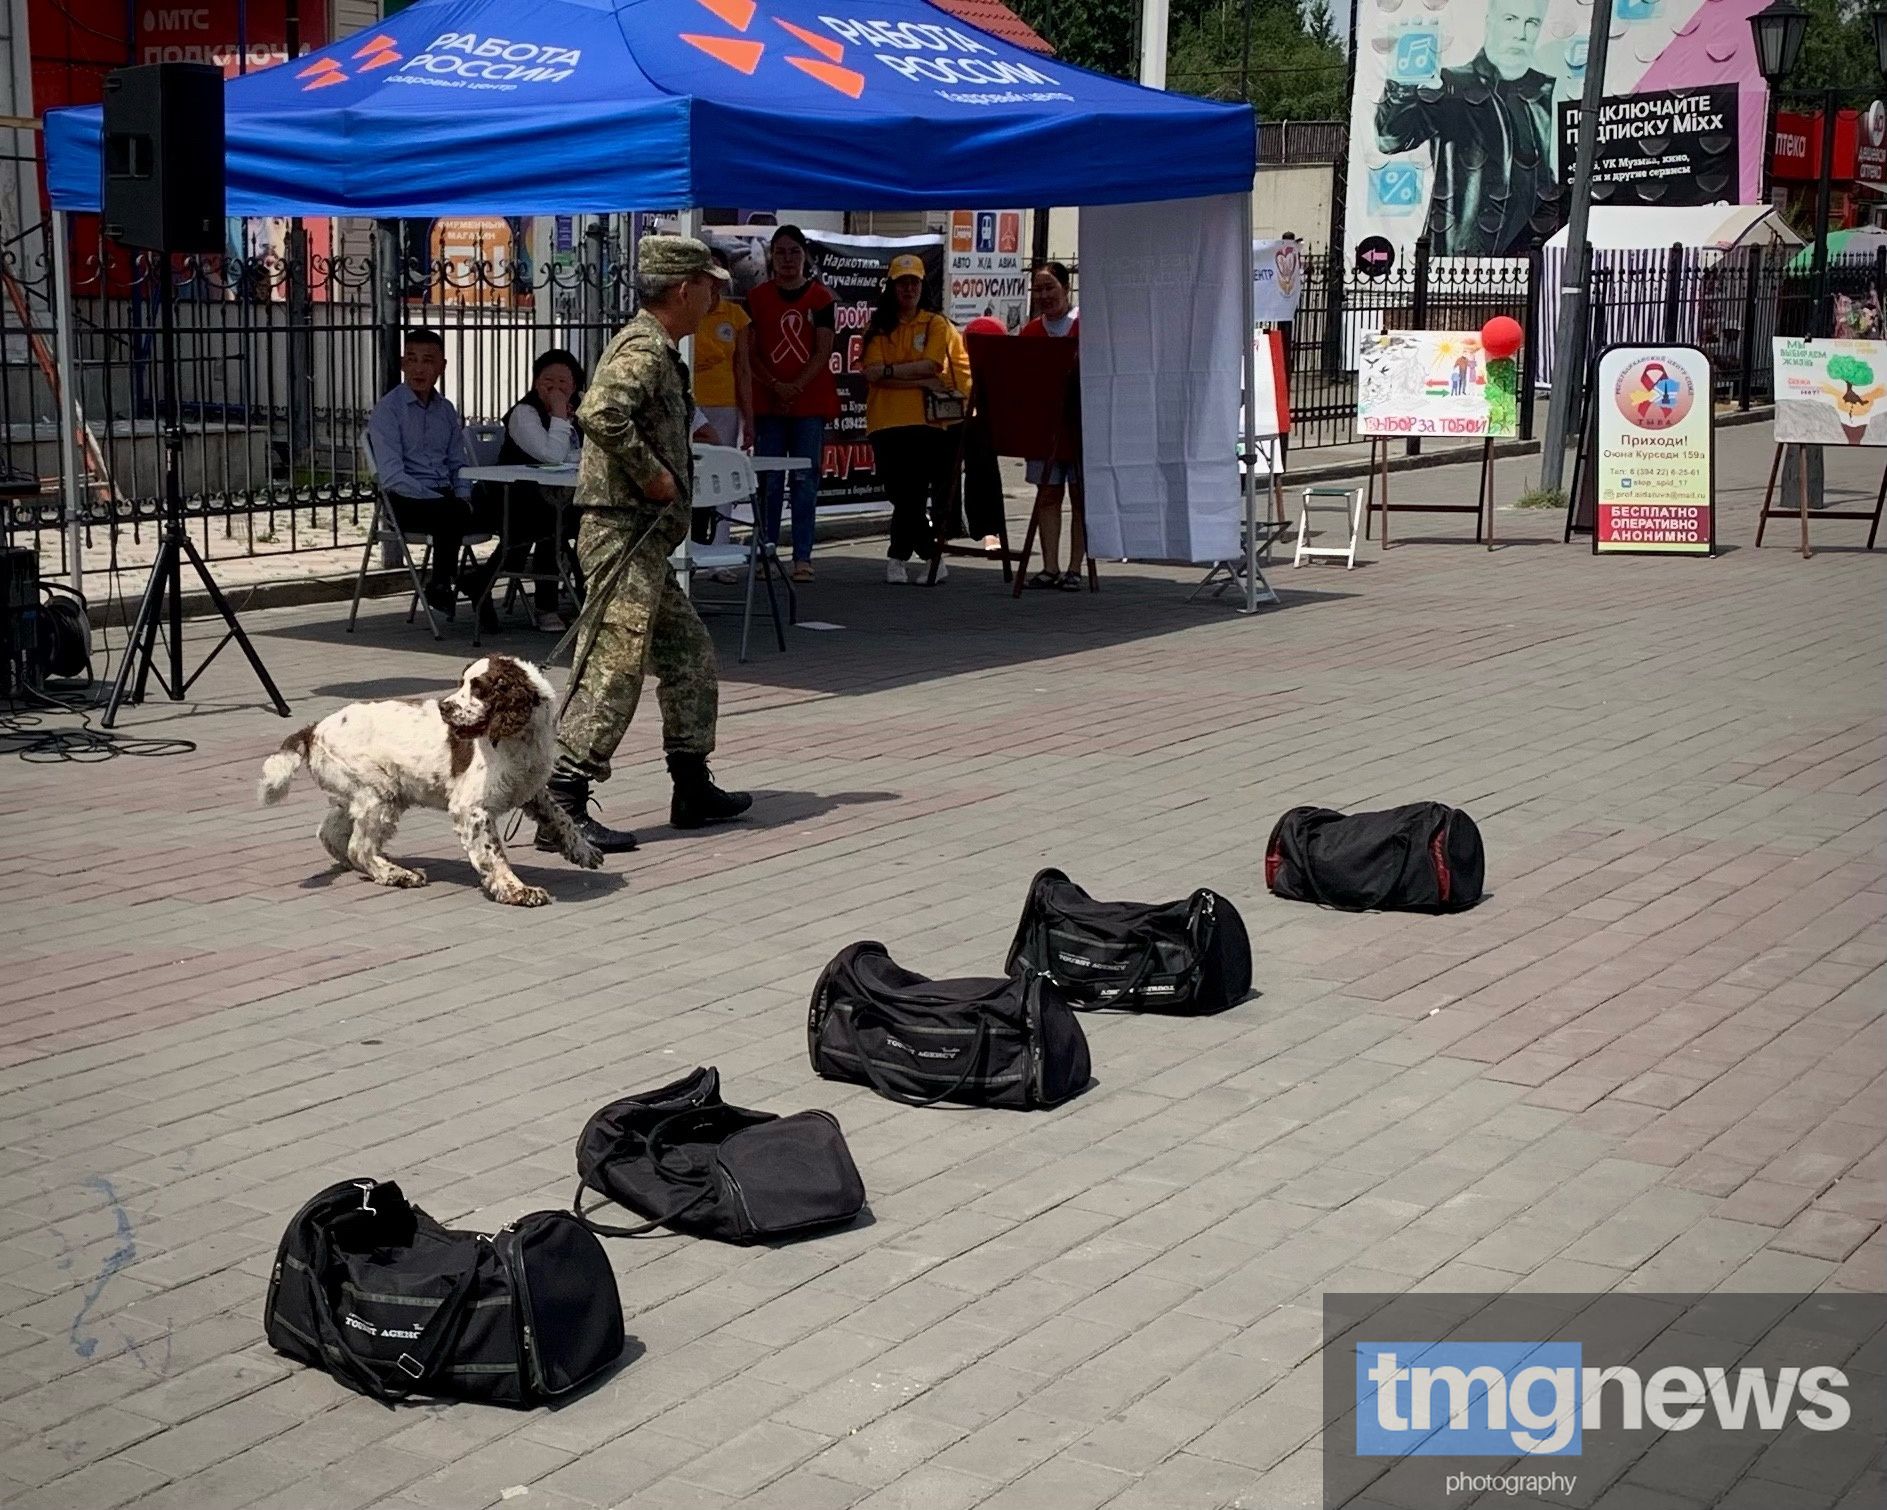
<point>981,1040</point>
<point>1187,956</point>
<point>370,1288</point>
<point>681,1157</point>
<point>1424,857</point>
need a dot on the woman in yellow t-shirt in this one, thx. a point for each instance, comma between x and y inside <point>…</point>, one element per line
<point>911,352</point>
<point>723,373</point>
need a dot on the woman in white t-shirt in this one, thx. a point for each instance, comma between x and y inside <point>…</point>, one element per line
<point>1057,318</point>
<point>542,430</point>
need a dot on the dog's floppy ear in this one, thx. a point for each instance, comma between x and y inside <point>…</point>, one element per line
<point>510,699</point>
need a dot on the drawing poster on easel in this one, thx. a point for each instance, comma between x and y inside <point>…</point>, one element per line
<point>1654,452</point>
<point>1434,382</point>
<point>1830,393</point>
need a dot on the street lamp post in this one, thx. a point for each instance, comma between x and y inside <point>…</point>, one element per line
<point>1778,31</point>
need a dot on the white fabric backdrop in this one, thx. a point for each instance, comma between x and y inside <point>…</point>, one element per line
<point>1163,332</point>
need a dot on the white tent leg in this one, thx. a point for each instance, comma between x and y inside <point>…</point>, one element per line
<point>1252,579</point>
<point>69,421</point>
<point>690,226</point>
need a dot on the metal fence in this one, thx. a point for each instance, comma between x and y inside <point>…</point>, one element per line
<point>281,358</point>
<point>1303,141</point>
<point>284,354</point>
<point>1730,304</point>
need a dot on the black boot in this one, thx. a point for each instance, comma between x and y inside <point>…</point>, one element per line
<point>572,794</point>
<point>698,801</point>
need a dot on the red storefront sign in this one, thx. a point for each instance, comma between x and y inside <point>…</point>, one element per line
<point>1860,146</point>
<point>75,43</point>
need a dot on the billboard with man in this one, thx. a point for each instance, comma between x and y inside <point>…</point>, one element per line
<point>1454,123</point>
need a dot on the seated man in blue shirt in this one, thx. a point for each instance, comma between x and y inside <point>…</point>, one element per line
<point>418,448</point>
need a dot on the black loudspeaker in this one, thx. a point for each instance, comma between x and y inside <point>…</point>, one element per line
<point>19,604</point>
<point>164,157</point>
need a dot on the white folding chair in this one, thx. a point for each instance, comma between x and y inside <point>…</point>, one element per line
<point>725,477</point>
<point>1350,501</point>
<point>385,530</point>
<point>484,443</point>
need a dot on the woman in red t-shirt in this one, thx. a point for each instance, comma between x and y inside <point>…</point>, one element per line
<point>794,392</point>
<point>1056,316</point>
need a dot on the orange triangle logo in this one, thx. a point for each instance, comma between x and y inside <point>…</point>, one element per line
<point>736,13</point>
<point>832,76</point>
<point>379,60</point>
<point>744,57</point>
<point>325,80</point>
<point>381,43</point>
<point>325,65</point>
<point>824,45</point>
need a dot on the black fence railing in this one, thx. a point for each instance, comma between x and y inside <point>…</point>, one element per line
<point>281,358</point>
<point>1730,304</point>
<point>284,354</point>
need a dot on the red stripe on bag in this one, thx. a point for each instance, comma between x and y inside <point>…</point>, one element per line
<point>1439,854</point>
<point>1274,862</point>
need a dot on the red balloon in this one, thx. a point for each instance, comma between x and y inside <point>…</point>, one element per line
<point>986,325</point>
<point>1501,337</point>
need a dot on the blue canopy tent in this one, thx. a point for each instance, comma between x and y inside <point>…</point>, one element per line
<point>461,107</point>
<point>533,107</point>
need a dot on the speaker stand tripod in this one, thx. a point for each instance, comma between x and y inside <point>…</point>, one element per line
<point>163,594</point>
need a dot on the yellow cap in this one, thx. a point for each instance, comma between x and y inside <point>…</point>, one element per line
<point>905,265</point>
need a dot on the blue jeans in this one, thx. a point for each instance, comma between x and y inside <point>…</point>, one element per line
<point>790,435</point>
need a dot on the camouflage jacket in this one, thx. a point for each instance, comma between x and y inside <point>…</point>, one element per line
<point>635,419</point>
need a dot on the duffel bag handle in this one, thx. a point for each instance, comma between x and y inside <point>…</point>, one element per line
<point>975,1052</point>
<point>1307,874</point>
<point>416,1364</point>
<point>649,1140</point>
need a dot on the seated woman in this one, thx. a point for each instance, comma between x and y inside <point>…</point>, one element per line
<point>542,430</point>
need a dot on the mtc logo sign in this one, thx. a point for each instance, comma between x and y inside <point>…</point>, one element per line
<point>1496,1399</point>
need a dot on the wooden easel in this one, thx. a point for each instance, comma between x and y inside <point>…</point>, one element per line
<point>1077,513</point>
<point>941,545</point>
<point>1801,477</point>
<point>1077,509</point>
<point>1482,508</point>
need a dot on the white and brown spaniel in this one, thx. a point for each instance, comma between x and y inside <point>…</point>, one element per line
<point>479,753</point>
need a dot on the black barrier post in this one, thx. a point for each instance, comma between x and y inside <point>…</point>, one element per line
<point>1673,289</point>
<point>1530,348</point>
<point>1419,315</point>
<point>1746,378</point>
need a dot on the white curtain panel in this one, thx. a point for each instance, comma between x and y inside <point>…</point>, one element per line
<point>1163,336</point>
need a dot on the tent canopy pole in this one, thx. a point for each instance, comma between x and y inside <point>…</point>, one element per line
<point>1251,421</point>
<point>74,484</point>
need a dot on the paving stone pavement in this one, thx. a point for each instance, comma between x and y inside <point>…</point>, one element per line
<point>1651,1060</point>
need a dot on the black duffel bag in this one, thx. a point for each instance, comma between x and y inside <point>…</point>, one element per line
<point>982,1040</point>
<point>373,1290</point>
<point>1425,857</point>
<point>681,1157</point>
<point>1188,956</point>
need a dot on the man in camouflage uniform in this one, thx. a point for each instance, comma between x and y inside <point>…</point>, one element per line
<point>635,486</point>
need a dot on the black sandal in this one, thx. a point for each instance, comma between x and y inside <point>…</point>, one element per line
<point>1070,582</point>
<point>1045,579</point>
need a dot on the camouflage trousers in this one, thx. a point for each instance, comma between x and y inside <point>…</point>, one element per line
<point>635,620</point>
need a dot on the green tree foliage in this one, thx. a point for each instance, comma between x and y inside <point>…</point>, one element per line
<point>1100,34</point>
<point>1291,75</point>
<point>1837,52</point>
<point>1296,65</point>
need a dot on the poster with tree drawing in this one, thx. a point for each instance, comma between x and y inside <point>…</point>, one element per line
<point>1830,393</point>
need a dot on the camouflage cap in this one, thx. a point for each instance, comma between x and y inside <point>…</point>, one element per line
<point>676,257</point>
